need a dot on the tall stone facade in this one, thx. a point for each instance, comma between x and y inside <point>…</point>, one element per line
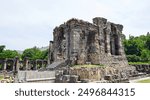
<point>81,42</point>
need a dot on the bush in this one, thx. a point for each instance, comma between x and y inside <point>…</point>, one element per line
<point>133,58</point>
<point>145,55</point>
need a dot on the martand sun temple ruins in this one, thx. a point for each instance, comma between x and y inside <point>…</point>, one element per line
<point>81,52</point>
<point>80,42</point>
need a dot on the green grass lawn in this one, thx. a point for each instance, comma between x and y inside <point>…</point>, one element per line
<point>144,81</point>
<point>137,63</point>
<point>1,77</point>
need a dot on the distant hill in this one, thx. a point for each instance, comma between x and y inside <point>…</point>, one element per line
<point>19,51</point>
<point>42,49</point>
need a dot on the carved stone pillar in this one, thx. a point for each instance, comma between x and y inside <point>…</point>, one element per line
<point>50,52</point>
<point>120,46</point>
<point>101,23</point>
<point>5,64</point>
<point>119,32</point>
<point>17,64</point>
<point>13,65</point>
<point>26,63</point>
<point>108,32</point>
<point>36,67</point>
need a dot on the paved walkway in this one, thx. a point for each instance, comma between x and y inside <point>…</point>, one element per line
<point>136,80</point>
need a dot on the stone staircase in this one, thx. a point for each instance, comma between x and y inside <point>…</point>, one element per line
<point>57,64</point>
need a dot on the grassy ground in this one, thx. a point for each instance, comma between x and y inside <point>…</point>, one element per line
<point>138,63</point>
<point>88,66</point>
<point>144,81</point>
<point>1,77</point>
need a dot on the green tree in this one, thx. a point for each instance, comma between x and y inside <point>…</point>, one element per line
<point>133,58</point>
<point>9,54</point>
<point>32,53</point>
<point>145,55</point>
<point>133,47</point>
<point>147,43</point>
<point>138,48</point>
<point>2,48</point>
<point>45,54</point>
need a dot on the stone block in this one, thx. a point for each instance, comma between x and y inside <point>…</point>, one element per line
<point>73,78</point>
<point>65,78</point>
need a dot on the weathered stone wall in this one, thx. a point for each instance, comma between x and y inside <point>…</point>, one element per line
<point>143,68</point>
<point>14,64</point>
<point>85,73</point>
<point>109,74</point>
<point>96,74</point>
<point>92,74</point>
<point>80,42</point>
<point>35,76</point>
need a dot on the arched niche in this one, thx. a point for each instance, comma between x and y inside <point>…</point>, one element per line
<point>114,41</point>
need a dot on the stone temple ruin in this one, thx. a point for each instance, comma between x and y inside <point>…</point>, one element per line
<point>81,42</point>
<point>77,46</point>
<point>78,42</point>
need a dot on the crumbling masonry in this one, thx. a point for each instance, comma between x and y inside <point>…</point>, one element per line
<point>81,42</point>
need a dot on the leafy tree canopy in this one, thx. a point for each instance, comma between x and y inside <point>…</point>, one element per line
<point>34,53</point>
<point>137,48</point>
<point>7,53</point>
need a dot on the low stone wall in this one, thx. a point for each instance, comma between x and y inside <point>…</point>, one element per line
<point>35,76</point>
<point>96,74</point>
<point>145,68</point>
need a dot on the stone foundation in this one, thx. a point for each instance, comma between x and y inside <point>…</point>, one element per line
<point>97,74</point>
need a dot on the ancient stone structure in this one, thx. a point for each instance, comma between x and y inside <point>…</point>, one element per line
<point>26,70</point>
<point>78,42</point>
<point>143,68</point>
<point>81,42</point>
<point>14,64</point>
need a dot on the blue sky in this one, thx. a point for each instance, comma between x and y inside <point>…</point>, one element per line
<point>28,23</point>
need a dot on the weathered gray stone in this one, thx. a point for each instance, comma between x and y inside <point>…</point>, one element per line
<point>74,79</point>
<point>79,42</point>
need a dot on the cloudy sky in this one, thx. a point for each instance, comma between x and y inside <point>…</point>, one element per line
<point>28,23</point>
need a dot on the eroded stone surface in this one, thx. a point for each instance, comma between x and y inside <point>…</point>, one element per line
<point>79,42</point>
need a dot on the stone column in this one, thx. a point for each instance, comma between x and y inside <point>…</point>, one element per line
<point>101,23</point>
<point>26,63</point>
<point>17,64</point>
<point>120,46</point>
<point>35,64</point>
<point>119,31</point>
<point>14,65</point>
<point>4,68</point>
<point>108,32</point>
<point>5,64</point>
<point>75,45</point>
<point>50,50</point>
